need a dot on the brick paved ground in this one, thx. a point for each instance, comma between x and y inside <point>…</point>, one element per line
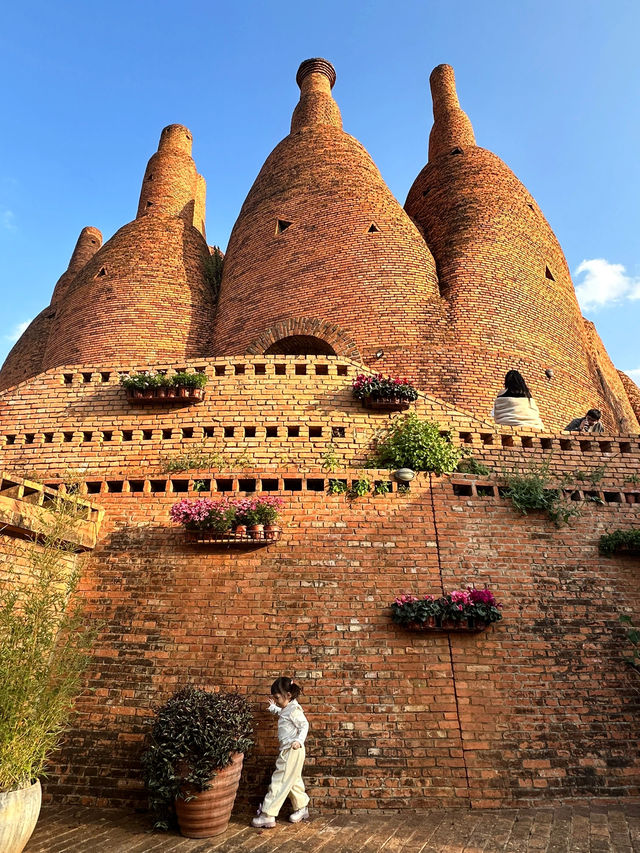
<point>565,829</point>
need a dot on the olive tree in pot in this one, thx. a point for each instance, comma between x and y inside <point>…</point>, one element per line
<point>44,649</point>
<point>193,763</point>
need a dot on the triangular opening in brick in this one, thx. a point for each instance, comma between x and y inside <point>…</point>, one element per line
<point>457,151</point>
<point>548,274</point>
<point>282,225</point>
<point>373,229</point>
<point>149,177</point>
<point>102,273</point>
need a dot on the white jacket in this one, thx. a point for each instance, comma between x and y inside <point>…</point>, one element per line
<point>292,723</point>
<point>516,411</point>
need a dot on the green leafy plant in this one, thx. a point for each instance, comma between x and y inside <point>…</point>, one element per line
<point>199,457</point>
<point>379,387</point>
<point>195,734</point>
<point>214,265</point>
<point>633,478</point>
<point>337,487</point>
<point>199,486</point>
<point>620,540</point>
<point>530,491</point>
<point>633,636</point>
<point>44,646</point>
<point>382,487</point>
<point>142,381</point>
<point>360,488</point>
<point>417,444</point>
<point>469,465</point>
<point>471,605</point>
<point>594,476</point>
<point>330,460</point>
<point>189,380</point>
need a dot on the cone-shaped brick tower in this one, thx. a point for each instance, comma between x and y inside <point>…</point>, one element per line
<point>505,278</point>
<point>144,296</point>
<point>322,257</point>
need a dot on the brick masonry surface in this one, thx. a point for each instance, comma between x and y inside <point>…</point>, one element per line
<point>323,260</point>
<point>594,829</point>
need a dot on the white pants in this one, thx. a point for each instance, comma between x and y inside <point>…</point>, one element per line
<point>286,782</point>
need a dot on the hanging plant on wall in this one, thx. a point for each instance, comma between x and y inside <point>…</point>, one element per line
<point>419,445</point>
<point>620,541</point>
<point>386,393</point>
<point>468,609</point>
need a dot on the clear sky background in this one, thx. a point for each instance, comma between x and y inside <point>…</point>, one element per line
<point>551,86</point>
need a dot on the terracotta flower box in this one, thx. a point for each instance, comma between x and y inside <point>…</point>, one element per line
<point>385,405</point>
<point>470,626</point>
<point>168,396</point>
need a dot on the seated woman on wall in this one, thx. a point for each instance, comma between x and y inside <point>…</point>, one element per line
<point>515,405</point>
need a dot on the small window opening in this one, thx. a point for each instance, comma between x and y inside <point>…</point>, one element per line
<point>250,432</point>
<point>527,441</point>
<point>48,437</point>
<point>10,439</point>
<point>548,274</point>
<point>247,485</point>
<point>507,440</point>
<point>260,369</point>
<point>269,485</point>
<point>93,488</point>
<point>87,436</point>
<point>461,490</point>
<point>293,431</point>
<point>68,378</point>
<point>29,437</point>
<point>426,192</point>
<point>149,204</point>
<point>107,435</point>
<point>208,432</point>
<point>67,437</point>
<point>224,485</point>
<point>187,432</point>
<point>322,369</point>
<point>127,435</point>
<point>546,443</point>
<point>158,485</point>
<point>342,370</point>
<point>315,485</point>
<point>281,369</point>
<point>239,368</point>
<point>613,497</point>
<point>457,151</point>
<point>585,446</point>
<point>605,446</point>
<point>114,485</point>
<point>104,377</point>
<point>315,432</point>
<point>166,434</point>
<point>228,432</point>
<point>179,485</point>
<point>338,432</point>
<point>566,444</point>
<point>102,273</point>
<point>486,437</point>
<point>485,491</point>
<point>301,369</point>
<point>219,369</point>
<point>86,377</point>
<point>136,485</point>
<point>146,434</point>
<point>150,177</point>
<point>529,205</point>
<point>272,432</point>
<point>625,447</point>
<point>292,484</point>
<point>466,438</point>
<point>373,229</point>
<point>282,226</point>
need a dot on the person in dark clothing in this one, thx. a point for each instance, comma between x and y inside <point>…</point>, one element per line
<point>590,423</point>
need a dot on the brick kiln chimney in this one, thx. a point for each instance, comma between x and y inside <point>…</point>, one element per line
<point>511,299</point>
<point>451,126</point>
<point>89,241</point>
<point>144,296</point>
<point>322,258</point>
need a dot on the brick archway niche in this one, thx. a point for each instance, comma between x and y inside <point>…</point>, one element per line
<point>304,336</point>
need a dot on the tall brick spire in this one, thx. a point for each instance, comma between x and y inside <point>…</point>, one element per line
<point>451,126</point>
<point>89,241</point>
<point>316,78</point>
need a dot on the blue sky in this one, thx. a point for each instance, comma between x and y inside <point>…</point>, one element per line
<point>551,87</point>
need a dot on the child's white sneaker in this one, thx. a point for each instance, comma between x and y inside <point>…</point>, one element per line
<point>264,821</point>
<point>301,814</point>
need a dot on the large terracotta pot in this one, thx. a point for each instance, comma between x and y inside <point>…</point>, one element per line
<point>209,813</point>
<point>19,812</point>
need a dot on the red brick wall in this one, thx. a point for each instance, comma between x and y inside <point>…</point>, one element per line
<point>398,720</point>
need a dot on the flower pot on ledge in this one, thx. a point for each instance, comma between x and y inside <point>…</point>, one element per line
<point>385,405</point>
<point>434,625</point>
<point>229,539</point>
<point>160,396</point>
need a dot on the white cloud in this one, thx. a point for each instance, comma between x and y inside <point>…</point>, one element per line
<point>634,374</point>
<point>8,220</point>
<point>17,331</point>
<point>604,284</point>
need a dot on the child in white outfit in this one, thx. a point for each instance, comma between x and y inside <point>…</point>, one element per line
<point>287,777</point>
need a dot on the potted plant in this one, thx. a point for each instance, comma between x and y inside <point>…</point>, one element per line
<point>204,515</point>
<point>140,385</point>
<point>384,393</point>
<point>193,763</point>
<point>189,384</point>
<point>468,609</point>
<point>267,510</point>
<point>45,648</point>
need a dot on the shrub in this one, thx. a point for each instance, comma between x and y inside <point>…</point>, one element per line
<point>194,734</point>
<point>189,380</point>
<point>620,539</point>
<point>456,606</point>
<point>359,488</point>
<point>336,487</point>
<point>417,444</point>
<point>530,490</point>
<point>44,648</point>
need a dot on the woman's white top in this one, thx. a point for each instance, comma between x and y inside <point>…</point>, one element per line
<point>292,723</point>
<point>516,411</point>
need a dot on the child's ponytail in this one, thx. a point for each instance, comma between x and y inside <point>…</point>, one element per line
<point>284,685</point>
